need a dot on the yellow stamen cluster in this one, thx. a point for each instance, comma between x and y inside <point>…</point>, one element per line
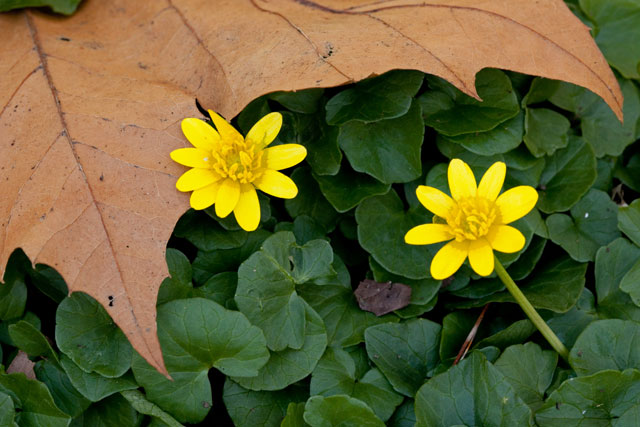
<point>239,160</point>
<point>471,218</point>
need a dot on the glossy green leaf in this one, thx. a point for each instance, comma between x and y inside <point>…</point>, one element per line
<point>382,224</point>
<point>95,387</point>
<point>88,335</point>
<point>530,371</point>
<point>294,416</point>
<point>601,399</point>
<point>29,339</point>
<point>288,366</point>
<point>305,101</point>
<point>455,328</point>
<point>336,374</point>
<point>65,7</point>
<point>34,401</point>
<point>321,141</point>
<point>114,411</point>
<point>249,408</point>
<point>385,97</point>
<point>139,402</point>
<point>515,333</point>
<point>65,395</point>
<point>404,352</point>
<point>13,292</point>
<point>452,113</point>
<point>7,411</point>
<point>388,150</point>
<point>197,334</point>
<point>206,233</point>
<point>567,176</point>
<point>339,410</point>
<point>568,326</point>
<point>630,283</point>
<point>348,188</point>
<point>474,392</point>
<point>545,131</point>
<point>310,201</point>
<point>617,32</point>
<point>404,416</point>
<point>593,223</point>
<point>503,138</point>
<point>612,264</point>
<point>606,344</point>
<point>629,221</point>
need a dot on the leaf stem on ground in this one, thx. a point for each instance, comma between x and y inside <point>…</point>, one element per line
<point>531,312</point>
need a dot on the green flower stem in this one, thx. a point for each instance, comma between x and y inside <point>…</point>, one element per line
<point>531,312</point>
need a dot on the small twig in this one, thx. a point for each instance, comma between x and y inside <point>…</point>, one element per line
<point>472,334</point>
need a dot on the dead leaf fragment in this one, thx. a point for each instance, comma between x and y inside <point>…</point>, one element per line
<point>382,298</point>
<point>90,108</point>
<point>21,363</point>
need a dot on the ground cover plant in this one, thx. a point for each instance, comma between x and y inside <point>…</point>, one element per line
<point>264,328</point>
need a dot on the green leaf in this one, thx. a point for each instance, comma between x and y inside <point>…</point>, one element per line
<point>450,112</point>
<point>294,416</point>
<point>339,410</point>
<point>388,150</point>
<point>404,416</point>
<point>310,201</point>
<point>288,366</point>
<point>599,125</point>
<point>348,188</point>
<point>382,224</point>
<point>114,411</point>
<point>64,394</point>
<point>304,101</point>
<point>7,411</point>
<point>28,317</point>
<point>404,352</point>
<point>515,333</point>
<point>501,139</point>
<point>545,131</point>
<point>530,371</point>
<point>384,97</point>
<point>601,399</point>
<point>336,374</point>
<point>555,285</point>
<point>33,401</point>
<point>206,234</point>
<point>628,170</point>
<point>197,334</point>
<point>27,338</point>
<point>321,141</point>
<point>567,326</point>
<point>455,328</point>
<point>629,221</point>
<point>220,288</point>
<point>617,32</point>
<point>567,176</point>
<point>248,408</point>
<point>474,392</point>
<point>88,335</point>
<point>630,283</point>
<point>94,386</point>
<point>606,344</point>
<point>13,292</point>
<point>139,402</point>
<point>266,291</point>
<point>208,264</point>
<point>49,282</point>
<point>593,223</point>
<point>612,263</point>
<point>65,7</point>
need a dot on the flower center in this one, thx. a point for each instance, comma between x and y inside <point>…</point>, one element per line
<point>239,160</point>
<point>472,217</point>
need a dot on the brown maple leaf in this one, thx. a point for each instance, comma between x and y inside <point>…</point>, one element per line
<point>90,107</point>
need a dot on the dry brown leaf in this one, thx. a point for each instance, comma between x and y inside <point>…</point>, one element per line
<point>22,363</point>
<point>90,107</point>
<point>382,298</point>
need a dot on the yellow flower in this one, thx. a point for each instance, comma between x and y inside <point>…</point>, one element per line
<point>474,219</point>
<point>228,168</point>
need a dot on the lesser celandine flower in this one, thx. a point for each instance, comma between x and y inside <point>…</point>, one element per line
<point>474,218</point>
<point>228,168</point>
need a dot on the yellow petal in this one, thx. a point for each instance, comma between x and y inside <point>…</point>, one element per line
<point>247,211</point>
<point>435,200</point>
<point>192,157</point>
<point>194,179</point>
<point>202,198</point>
<point>427,234</point>
<point>228,196</point>
<point>516,203</point>
<point>449,259</point>
<point>265,130</point>
<point>504,238</point>
<point>227,132</point>
<point>284,156</point>
<point>200,134</point>
<point>492,180</point>
<point>277,184</point>
<point>481,257</point>
<point>462,183</point>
